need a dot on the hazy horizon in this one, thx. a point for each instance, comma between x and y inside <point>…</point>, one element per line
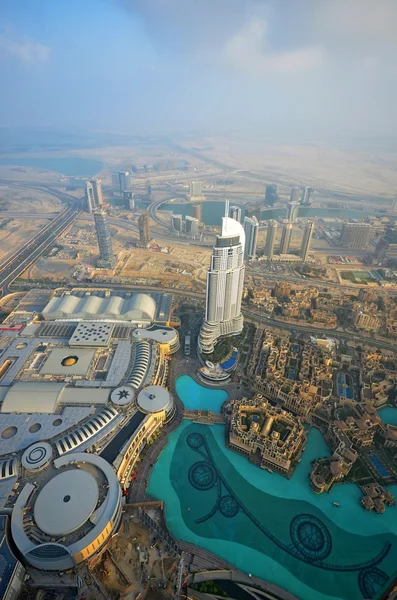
<point>142,66</point>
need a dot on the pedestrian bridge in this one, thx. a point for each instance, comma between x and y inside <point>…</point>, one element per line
<point>203,416</point>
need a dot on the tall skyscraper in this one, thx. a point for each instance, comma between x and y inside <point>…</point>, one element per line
<point>307,192</point>
<point>198,212</point>
<point>225,282</point>
<point>104,239</point>
<point>89,197</point>
<point>394,205</point>
<point>235,213</point>
<point>292,211</point>
<point>355,235</point>
<point>295,195</point>
<point>251,227</point>
<point>286,237</point>
<point>306,241</point>
<point>271,196</point>
<point>270,239</point>
<point>191,226</point>
<point>195,191</point>
<point>129,200</point>
<point>97,189</point>
<point>177,223</point>
<point>121,182</point>
<point>144,229</point>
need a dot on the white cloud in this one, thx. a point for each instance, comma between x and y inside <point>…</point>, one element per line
<point>247,51</point>
<point>22,48</point>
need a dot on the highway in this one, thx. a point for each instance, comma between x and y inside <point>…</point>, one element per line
<point>22,258</point>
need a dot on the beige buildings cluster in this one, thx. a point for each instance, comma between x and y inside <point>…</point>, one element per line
<point>268,435</point>
<point>274,358</point>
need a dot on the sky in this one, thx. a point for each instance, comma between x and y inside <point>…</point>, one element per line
<point>162,66</point>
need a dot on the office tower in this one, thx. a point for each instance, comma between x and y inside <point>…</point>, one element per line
<point>307,192</point>
<point>386,246</point>
<point>251,227</point>
<point>292,211</point>
<point>270,239</point>
<point>198,212</point>
<point>144,229</point>
<point>271,196</point>
<point>121,182</point>
<point>225,282</point>
<point>295,195</point>
<point>149,191</point>
<point>97,189</point>
<point>195,189</point>
<point>306,241</point>
<point>104,239</point>
<point>191,226</point>
<point>177,223</point>
<point>89,197</point>
<point>355,235</point>
<point>286,237</point>
<point>235,213</point>
<point>129,200</point>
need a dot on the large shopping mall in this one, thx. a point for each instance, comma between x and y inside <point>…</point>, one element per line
<point>83,389</point>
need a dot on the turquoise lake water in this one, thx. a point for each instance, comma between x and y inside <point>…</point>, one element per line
<point>269,526</point>
<point>77,167</point>
<point>196,396</point>
<point>389,415</point>
<point>214,211</point>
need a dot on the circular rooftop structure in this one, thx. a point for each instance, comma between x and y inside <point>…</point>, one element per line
<point>155,398</point>
<point>37,456</point>
<point>66,502</point>
<point>122,396</point>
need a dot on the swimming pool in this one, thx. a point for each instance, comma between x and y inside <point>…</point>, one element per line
<point>195,396</point>
<point>378,466</point>
<point>269,526</point>
<point>388,415</point>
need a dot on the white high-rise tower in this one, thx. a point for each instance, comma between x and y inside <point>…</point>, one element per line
<point>225,281</point>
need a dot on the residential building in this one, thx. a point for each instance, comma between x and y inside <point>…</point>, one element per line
<point>295,195</point>
<point>286,237</point>
<point>366,321</point>
<point>97,190</point>
<point>355,235</point>
<point>104,240</point>
<point>177,223</point>
<point>89,197</point>
<point>307,192</point>
<point>235,213</point>
<point>251,227</point>
<point>225,283</point>
<point>270,239</point>
<point>306,241</point>
<point>191,226</point>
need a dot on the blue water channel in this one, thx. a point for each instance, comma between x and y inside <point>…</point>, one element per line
<point>389,415</point>
<point>269,526</point>
<point>70,166</point>
<point>195,396</point>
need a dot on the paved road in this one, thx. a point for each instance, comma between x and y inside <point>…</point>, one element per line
<point>29,252</point>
